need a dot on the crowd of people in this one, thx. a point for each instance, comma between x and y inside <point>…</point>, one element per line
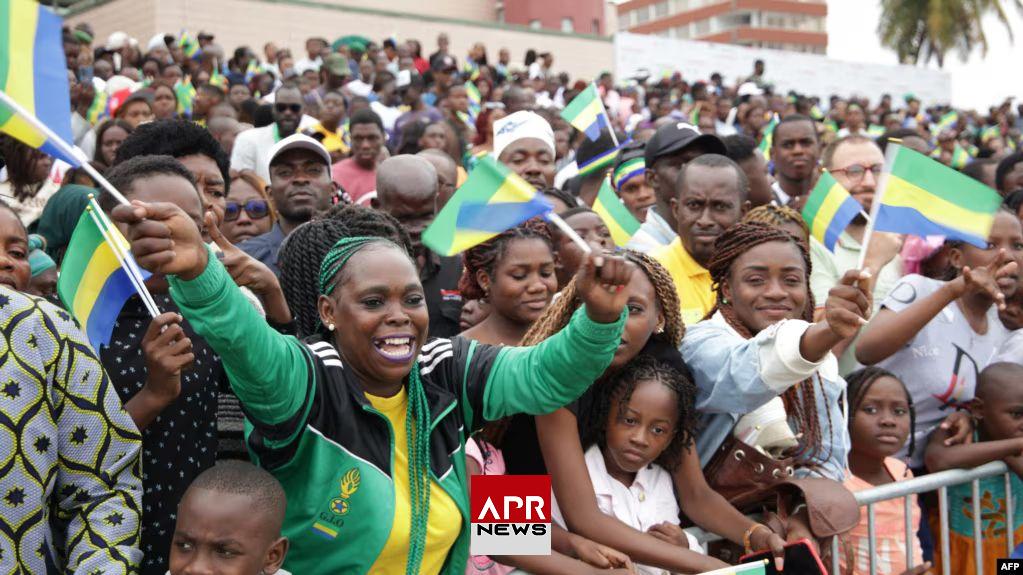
<point>319,384</point>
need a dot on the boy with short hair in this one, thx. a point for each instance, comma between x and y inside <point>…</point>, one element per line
<point>229,521</point>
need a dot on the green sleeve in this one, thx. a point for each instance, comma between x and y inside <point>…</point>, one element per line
<point>542,378</point>
<point>269,372</point>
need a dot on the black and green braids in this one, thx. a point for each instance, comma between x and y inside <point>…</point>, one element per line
<point>417,418</point>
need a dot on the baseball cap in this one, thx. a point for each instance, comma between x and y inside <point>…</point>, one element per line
<point>672,138</point>
<point>443,63</point>
<point>337,64</point>
<point>298,142</point>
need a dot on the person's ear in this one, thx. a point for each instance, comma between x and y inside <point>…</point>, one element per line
<point>674,207</point>
<point>955,257</point>
<point>275,556</point>
<point>976,407</point>
<point>726,292</point>
<point>483,279</point>
<point>325,306</point>
<point>745,208</point>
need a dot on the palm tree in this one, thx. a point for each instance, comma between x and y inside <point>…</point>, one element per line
<point>919,30</point>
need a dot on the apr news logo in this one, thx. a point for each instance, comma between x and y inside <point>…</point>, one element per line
<point>510,515</point>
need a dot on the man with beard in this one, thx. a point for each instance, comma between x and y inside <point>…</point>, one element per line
<point>407,188</point>
<point>300,186</point>
<point>795,151</point>
<point>253,147</point>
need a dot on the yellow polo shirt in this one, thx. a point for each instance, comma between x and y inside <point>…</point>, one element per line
<point>692,282</point>
<point>444,523</point>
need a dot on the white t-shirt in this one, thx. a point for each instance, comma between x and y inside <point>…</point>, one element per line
<point>649,501</point>
<point>1012,349</point>
<point>941,363</point>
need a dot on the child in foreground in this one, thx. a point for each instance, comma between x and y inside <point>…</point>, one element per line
<point>880,421</point>
<point>997,408</point>
<point>229,522</point>
<point>641,424</point>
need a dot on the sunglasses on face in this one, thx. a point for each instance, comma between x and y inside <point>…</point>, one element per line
<point>294,108</point>
<point>256,209</point>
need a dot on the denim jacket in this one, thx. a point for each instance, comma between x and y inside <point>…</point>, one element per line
<point>734,376</point>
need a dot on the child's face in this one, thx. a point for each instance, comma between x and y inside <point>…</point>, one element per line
<point>880,425</point>
<point>637,433</point>
<point>220,534</point>
<point>1001,412</point>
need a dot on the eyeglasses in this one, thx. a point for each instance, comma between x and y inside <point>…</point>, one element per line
<point>256,209</point>
<point>857,171</point>
<point>282,108</point>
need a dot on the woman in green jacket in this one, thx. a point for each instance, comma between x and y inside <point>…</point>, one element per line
<point>339,418</point>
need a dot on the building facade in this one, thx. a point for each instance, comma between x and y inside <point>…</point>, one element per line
<point>795,25</point>
<point>580,16</point>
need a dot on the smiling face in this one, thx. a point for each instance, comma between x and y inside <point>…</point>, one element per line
<point>708,204</point>
<point>523,281</point>
<point>637,432</point>
<point>766,284</point>
<point>881,424</point>
<point>15,271</point>
<point>381,314</point>
<point>218,533</point>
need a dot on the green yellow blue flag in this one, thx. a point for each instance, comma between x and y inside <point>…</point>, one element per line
<point>586,113</point>
<point>768,137</point>
<point>93,282</point>
<point>923,197</point>
<point>492,200</point>
<point>619,221</point>
<point>829,210</point>
<point>33,73</point>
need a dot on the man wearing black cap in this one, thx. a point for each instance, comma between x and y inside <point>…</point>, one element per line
<point>443,68</point>
<point>670,148</point>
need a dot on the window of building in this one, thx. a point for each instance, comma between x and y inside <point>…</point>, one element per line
<point>535,24</point>
<point>595,28</point>
<point>567,25</point>
<point>642,15</point>
<point>661,9</point>
<point>682,31</point>
<point>701,27</point>
<point>500,14</point>
<point>624,21</point>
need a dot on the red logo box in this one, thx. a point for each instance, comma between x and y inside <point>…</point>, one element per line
<point>510,515</point>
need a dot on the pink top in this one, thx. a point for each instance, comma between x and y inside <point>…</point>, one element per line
<point>354,179</point>
<point>889,528</point>
<point>490,460</point>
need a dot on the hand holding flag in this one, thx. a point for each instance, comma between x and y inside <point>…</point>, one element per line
<point>163,238</point>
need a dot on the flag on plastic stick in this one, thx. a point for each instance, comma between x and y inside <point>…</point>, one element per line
<point>586,113</point>
<point>475,100</point>
<point>829,210</point>
<point>33,74</point>
<point>618,219</point>
<point>752,568</point>
<point>492,200</point>
<point>95,280</point>
<point>922,197</point>
<point>189,45</point>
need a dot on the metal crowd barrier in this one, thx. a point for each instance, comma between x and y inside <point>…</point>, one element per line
<point>908,490</point>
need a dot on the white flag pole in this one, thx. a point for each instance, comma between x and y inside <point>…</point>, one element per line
<point>64,147</point>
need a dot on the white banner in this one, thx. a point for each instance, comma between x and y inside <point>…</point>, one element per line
<point>808,74</point>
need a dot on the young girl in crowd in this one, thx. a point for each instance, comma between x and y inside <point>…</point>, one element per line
<point>997,408</point>
<point>109,136</point>
<point>880,421</point>
<point>335,417</point>
<point>15,270</point>
<point>642,424</point>
<point>938,335</point>
<point>514,273</point>
<point>28,184</point>
<point>654,328</point>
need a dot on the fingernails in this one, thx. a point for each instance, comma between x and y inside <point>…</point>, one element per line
<point>863,321</point>
<point>865,274</point>
<point>598,261</point>
<point>779,563</point>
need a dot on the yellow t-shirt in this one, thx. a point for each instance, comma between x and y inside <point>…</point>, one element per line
<point>445,522</point>
<point>692,282</point>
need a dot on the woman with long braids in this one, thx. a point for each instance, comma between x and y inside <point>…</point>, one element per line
<point>551,443</point>
<point>759,343</point>
<point>364,422</point>
<point>514,272</point>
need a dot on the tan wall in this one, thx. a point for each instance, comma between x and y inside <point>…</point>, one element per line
<point>253,22</point>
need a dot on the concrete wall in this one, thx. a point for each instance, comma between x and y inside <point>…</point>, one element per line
<point>289,23</point>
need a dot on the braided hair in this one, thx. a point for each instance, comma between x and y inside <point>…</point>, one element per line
<point>776,216</point>
<point>559,313</point>
<point>485,256</point>
<point>304,249</point>
<point>621,385</point>
<point>859,383</point>
<point>418,411</point>
<point>800,399</point>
